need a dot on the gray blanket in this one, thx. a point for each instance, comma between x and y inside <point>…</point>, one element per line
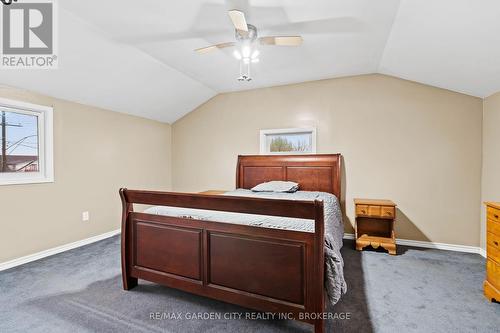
<point>334,228</point>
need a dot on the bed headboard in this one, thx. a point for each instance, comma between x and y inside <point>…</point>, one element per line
<point>312,172</point>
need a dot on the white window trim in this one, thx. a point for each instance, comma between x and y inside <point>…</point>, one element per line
<point>307,130</point>
<point>45,139</point>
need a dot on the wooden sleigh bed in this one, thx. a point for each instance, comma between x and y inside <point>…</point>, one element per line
<point>269,270</point>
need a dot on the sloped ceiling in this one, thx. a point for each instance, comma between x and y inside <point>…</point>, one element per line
<point>137,56</point>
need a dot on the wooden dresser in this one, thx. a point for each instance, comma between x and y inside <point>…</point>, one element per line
<point>375,224</point>
<point>492,283</point>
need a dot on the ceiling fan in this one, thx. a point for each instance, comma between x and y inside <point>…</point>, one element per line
<point>246,38</point>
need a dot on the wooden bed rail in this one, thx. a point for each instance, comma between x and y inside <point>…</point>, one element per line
<point>299,208</point>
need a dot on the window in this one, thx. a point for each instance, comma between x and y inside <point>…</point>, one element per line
<point>288,141</point>
<point>26,147</point>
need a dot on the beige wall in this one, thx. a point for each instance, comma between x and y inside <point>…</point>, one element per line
<point>491,156</point>
<point>95,153</point>
<point>415,144</point>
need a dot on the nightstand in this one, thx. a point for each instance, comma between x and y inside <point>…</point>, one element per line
<point>375,224</point>
<point>213,192</point>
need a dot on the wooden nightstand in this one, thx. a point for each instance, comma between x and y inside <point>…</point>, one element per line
<point>213,192</point>
<point>375,224</point>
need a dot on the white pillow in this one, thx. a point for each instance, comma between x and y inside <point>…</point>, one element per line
<point>276,186</point>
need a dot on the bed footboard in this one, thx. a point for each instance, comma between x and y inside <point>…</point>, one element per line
<point>271,270</point>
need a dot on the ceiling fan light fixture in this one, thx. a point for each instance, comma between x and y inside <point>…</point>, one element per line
<point>237,54</point>
<point>255,54</point>
<point>256,60</point>
<point>246,51</point>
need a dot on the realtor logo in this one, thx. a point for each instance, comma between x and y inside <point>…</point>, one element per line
<point>28,35</point>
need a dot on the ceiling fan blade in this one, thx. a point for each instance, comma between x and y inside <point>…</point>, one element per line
<point>281,40</point>
<point>238,19</point>
<point>214,47</point>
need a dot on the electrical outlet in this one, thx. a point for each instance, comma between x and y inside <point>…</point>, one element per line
<point>85,216</point>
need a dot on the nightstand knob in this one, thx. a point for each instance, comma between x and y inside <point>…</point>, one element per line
<point>363,211</point>
<point>496,243</point>
<point>496,216</point>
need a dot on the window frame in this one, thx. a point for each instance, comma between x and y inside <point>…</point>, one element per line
<point>265,149</point>
<point>45,116</point>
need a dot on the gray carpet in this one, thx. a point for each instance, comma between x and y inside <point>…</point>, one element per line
<point>80,291</point>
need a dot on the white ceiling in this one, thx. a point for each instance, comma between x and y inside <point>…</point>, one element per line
<point>452,44</point>
<point>137,56</point>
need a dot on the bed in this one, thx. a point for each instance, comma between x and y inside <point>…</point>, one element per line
<point>262,267</point>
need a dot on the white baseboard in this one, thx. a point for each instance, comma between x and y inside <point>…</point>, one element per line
<point>433,245</point>
<point>56,250</point>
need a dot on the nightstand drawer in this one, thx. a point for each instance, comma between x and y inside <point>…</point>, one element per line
<point>493,227</point>
<point>493,244</point>
<point>362,210</point>
<point>493,273</point>
<point>388,212</point>
<point>374,211</point>
<point>494,214</point>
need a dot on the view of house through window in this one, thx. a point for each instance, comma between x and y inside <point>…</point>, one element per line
<point>19,142</point>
